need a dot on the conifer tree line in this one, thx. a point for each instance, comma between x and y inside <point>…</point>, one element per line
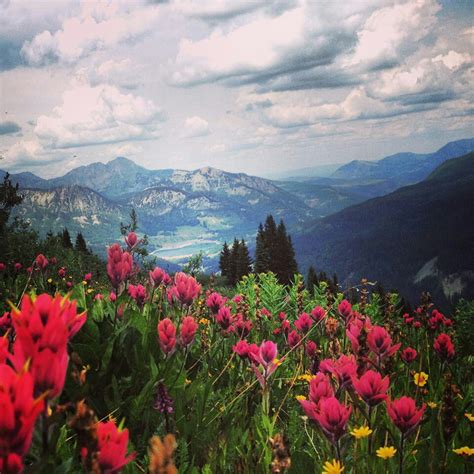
<point>274,252</point>
<point>235,261</point>
<point>314,279</point>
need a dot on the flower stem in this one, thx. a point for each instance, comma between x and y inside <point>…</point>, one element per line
<point>400,468</point>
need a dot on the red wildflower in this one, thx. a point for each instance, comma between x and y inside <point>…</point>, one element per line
<point>215,302</point>
<point>444,346</point>
<point>408,355</point>
<point>112,444</point>
<point>318,313</point>
<point>310,349</point>
<point>166,335</point>
<point>266,357</point>
<point>344,368</point>
<point>41,261</point>
<point>188,330</point>
<point>138,294</point>
<point>158,276</point>
<point>332,416</point>
<point>3,267</point>
<point>62,272</point>
<point>345,310</point>
<point>11,464</point>
<point>304,323</point>
<point>371,387</point>
<point>88,276</point>
<point>380,342</point>
<point>224,317</point>
<point>242,326</point>
<point>5,322</point>
<point>18,266</point>
<point>404,414</point>
<point>185,288</point>
<point>131,240</point>
<point>320,387</point>
<point>19,412</point>
<point>293,339</point>
<point>119,265</point>
<point>356,332</point>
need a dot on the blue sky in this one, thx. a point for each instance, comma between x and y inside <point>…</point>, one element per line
<point>253,86</point>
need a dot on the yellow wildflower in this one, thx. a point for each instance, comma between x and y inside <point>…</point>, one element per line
<point>204,321</point>
<point>84,282</point>
<point>386,452</point>
<point>432,405</point>
<point>469,416</point>
<point>334,467</point>
<point>305,377</point>
<point>277,361</point>
<point>50,280</point>
<point>89,290</point>
<point>464,451</point>
<point>361,432</point>
<point>420,379</point>
<point>300,397</point>
<point>187,381</point>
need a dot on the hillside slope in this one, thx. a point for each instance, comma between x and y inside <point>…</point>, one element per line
<point>420,237</point>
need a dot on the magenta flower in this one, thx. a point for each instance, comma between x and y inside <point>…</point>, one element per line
<point>332,416</point>
<point>185,288</point>
<point>318,313</point>
<point>371,387</point>
<point>294,339</point>
<point>166,335</point>
<point>158,276</point>
<point>215,302</point>
<point>119,265</point>
<point>304,323</point>
<point>380,342</point>
<point>224,317</point>
<point>188,331</point>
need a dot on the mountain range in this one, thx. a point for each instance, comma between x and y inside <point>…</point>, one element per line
<point>420,237</point>
<point>184,212</point>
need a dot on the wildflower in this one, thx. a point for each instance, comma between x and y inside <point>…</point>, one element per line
<point>185,288</point>
<point>371,387</point>
<point>357,331</point>
<point>224,317</point>
<point>310,349</point>
<point>113,296</point>
<point>161,455</point>
<point>345,310</point>
<point>131,240</point>
<point>88,276</point>
<point>158,276</point>
<point>386,452</point>
<point>344,368</point>
<point>204,321</point>
<point>5,322</point>
<point>304,323</point>
<point>41,261</point>
<point>267,358</point>
<point>318,313</point>
<point>243,349</point>
<point>432,405</point>
<point>11,463</point>
<point>294,339</point>
<point>305,377</point>
<point>420,379</point>
<point>320,387</point>
<point>405,414</point>
<point>62,272</point>
<point>300,397</point>
<point>215,302</point>
<point>361,432</point>
<point>444,346</point>
<point>112,444</point>
<point>3,267</point>
<point>332,417</point>
<point>119,265</point>
<point>334,467</point>
<point>166,335</point>
<point>138,294</point>
<point>242,326</point>
<point>163,402</point>
<point>49,280</point>
<point>464,451</point>
<point>19,412</point>
<point>18,266</point>
<point>408,355</point>
<point>380,342</point>
<point>469,416</point>
<point>188,331</point>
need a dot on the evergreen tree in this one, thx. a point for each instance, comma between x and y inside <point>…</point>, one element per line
<point>9,198</point>
<point>262,253</point>
<point>224,260</point>
<point>81,245</point>
<point>271,241</point>
<point>243,265</point>
<point>311,280</point>
<point>234,255</point>
<point>66,239</point>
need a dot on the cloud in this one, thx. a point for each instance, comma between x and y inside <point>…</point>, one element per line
<point>98,114</point>
<point>8,128</point>
<point>309,36</point>
<point>123,73</point>
<point>390,33</point>
<point>100,25</point>
<point>195,127</point>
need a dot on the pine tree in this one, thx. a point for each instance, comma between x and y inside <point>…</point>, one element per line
<point>81,245</point>
<point>234,255</point>
<point>243,264</point>
<point>224,260</point>
<point>311,280</point>
<point>66,239</point>
<point>9,198</point>
<point>262,253</point>
<point>271,240</point>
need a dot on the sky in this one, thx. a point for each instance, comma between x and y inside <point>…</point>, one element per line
<point>253,86</point>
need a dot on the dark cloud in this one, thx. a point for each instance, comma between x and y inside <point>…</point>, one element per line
<point>10,56</point>
<point>427,97</point>
<point>8,128</point>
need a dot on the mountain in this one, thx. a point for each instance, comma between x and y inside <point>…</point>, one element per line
<point>417,238</point>
<point>403,168</point>
<point>78,208</point>
<point>319,171</point>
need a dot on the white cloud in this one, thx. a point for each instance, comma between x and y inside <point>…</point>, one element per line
<point>454,60</point>
<point>98,114</point>
<point>392,31</point>
<point>195,127</point>
<point>100,25</point>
